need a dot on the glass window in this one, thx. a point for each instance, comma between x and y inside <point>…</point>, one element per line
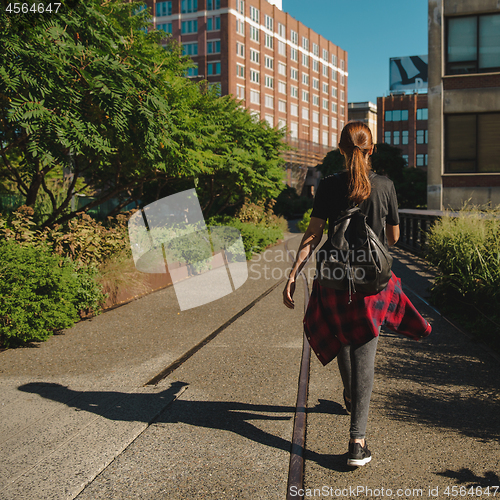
<point>334,75</point>
<point>325,120</point>
<point>240,92</point>
<point>294,37</point>
<point>334,107</point>
<point>254,76</point>
<point>294,91</point>
<point>163,9</point>
<point>269,101</point>
<point>315,117</point>
<point>316,49</point>
<point>325,55</point>
<point>396,115</point>
<point>316,100</point>
<point>420,160</point>
<point>324,135</point>
<point>268,62</point>
<point>315,65</point>
<point>305,43</point>
<point>254,56</point>
<point>269,41</point>
<point>305,78</point>
<point>325,103</point>
<point>240,71</point>
<point>213,47</point>
<point>421,137</point>
<point>213,68</point>
<point>189,6</point>
<point>405,158</point>
<point>294,54</point>
<point>240,6</point>
<point>282,68</point>
<point>315,136</point>
<point>166,27</point>
<point>325,88</point>
<point>404,137</point>
<point>213,4</point>
<point>282,87</point>
<point>269,23</point>
<point>190,49</point>
<point>269,82</point>
<point>294,110</point>
<point>305,114</point>
<point>240,49</point>
<point>213,24</point>
<point>240,26</point>
<point>294,130</point>
<point>281,30</point>
<point>387,137</point>
<point>423,114</point>
<point>473,44</point>
<point>305,60</point>
<point>334,122</point>
<point>191,72</point>
<point>254,33</point>
<point>315,83</point>
<point>489,41</point>
<point>282,48</point>
<point>254,14</point>
<point>282,106</point>
<point>334,59</point>
<point>396,136</point>
<point>189,26</point>
<point>255,96</point>
<point>305,96</point>
<point>294,74</point>
<point>404,115</point>
<point>388,116</point>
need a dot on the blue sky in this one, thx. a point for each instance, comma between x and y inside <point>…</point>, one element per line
<point>372,31</point>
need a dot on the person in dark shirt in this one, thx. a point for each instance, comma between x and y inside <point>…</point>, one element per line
<point>376,197</point>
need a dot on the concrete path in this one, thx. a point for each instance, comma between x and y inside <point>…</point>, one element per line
<point>77,421</point>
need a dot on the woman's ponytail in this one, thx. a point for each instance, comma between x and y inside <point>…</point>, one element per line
<point>355,144</point>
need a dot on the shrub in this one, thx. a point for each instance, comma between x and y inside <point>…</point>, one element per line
<point>256,237</point>
<point>466,249</point>
<point>37,294</point>
<point>289,204</point>
<point>306,219</point>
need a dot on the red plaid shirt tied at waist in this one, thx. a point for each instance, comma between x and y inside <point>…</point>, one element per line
<point>331,321</point>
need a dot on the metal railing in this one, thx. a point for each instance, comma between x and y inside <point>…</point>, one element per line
<point>414,226</point>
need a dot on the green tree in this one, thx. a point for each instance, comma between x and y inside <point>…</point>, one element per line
<point>89,90</point>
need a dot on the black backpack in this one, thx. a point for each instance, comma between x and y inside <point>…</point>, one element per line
<point>353,258</point>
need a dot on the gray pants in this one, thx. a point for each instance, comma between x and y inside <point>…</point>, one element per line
<point>357,368</point>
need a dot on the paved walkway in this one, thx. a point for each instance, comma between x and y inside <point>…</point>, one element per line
<point>76,420</point>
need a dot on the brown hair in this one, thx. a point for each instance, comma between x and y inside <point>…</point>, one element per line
<point>355,144</point>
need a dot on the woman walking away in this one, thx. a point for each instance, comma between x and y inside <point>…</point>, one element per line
<point>345,323</point>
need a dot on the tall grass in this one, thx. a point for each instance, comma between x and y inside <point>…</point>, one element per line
<point>466,249</point>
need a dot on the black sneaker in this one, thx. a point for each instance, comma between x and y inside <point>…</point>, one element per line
<point>358,455</point>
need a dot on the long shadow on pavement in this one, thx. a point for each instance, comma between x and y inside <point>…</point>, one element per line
<point>223,415</point>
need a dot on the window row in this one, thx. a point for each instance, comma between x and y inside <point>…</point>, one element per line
<point>191,49</point>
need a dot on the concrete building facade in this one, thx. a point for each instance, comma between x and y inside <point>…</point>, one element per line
<point>402,123</point>
<point>280,69</point>
<point>365,112</point>
<point>464,103</point>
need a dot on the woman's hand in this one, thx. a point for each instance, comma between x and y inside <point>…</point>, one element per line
<point>288,294</point>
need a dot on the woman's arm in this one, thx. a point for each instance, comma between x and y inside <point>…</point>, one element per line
<point>392,234</point>
<point>311,239</point>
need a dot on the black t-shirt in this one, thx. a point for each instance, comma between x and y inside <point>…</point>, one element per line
<point>381,207</point>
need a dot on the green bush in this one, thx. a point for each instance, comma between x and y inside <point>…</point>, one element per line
<point>466,249</point>
<point>37,294</point>
<point>289,204</point>
<point>256,237</point>
<point>304,222</point>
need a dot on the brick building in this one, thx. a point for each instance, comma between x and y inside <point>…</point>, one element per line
<point>282,71</point>
<point>402,123</point>
<point>464,103</point>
